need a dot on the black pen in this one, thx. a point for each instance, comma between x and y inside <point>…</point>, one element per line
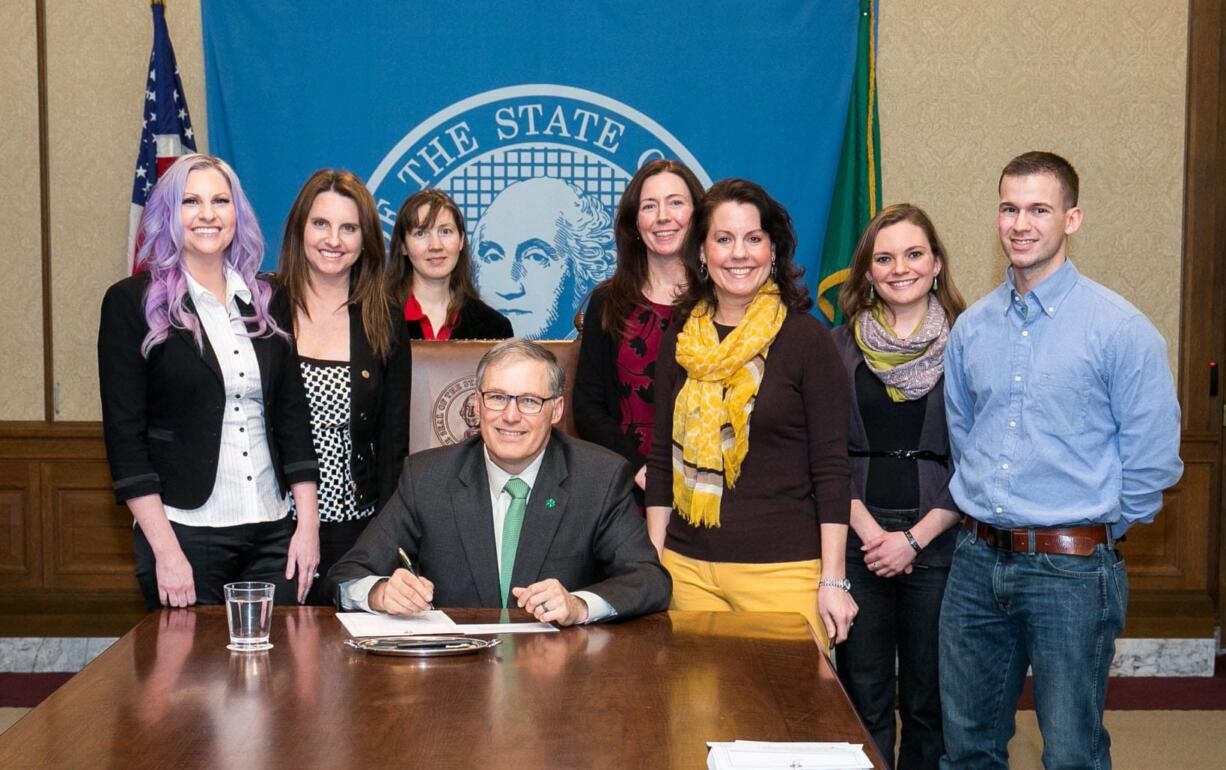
<point>408,564</point>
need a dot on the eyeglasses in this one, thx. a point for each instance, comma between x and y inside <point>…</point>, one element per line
<point>527,404</point>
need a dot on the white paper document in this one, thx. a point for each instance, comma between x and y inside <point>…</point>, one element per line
<point>368,624</point>
<point>767,755</point>
<point>429,622</point>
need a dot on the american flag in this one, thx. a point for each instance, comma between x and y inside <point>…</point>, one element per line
<point>166,128</point>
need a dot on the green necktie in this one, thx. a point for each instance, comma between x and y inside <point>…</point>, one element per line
<point>518,489</point>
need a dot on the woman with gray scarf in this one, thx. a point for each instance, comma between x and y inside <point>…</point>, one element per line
<point>899,302</point>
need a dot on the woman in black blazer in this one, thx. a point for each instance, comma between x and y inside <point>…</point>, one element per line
<point>203,410</point>
<point>627,315</point>
<point>353,350</point>
<point>899,302</point>
<point>430,273</point>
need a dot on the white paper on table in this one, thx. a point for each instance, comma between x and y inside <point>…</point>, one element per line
<point>766,755</point>
<point>504,628</point>
<point>369,624</point>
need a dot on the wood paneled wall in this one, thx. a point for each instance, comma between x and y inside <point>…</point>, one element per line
<point>66,562</point>
<point>66,547</point>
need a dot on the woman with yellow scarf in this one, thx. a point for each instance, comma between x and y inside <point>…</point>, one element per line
<point>899,302</point>
<point>747,483</point>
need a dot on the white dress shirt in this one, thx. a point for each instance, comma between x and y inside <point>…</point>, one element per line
<point>245,490</point>
<point>356,593</point>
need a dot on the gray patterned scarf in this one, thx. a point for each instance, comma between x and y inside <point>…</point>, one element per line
<point>909,367</point>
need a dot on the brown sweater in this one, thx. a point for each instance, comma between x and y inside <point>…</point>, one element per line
<point>795,475</point>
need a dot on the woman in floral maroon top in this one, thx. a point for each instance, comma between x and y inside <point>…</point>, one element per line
<point>627,314</point>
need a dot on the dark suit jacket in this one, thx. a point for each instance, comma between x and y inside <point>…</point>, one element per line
<point>591,538</point>
<point>161,416</point>
<point>379,402</point>
<point>934,436</point>
<point>477,321</point>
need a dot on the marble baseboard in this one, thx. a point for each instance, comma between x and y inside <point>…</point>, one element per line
<point>1133,657</point>
<point>67,654</point>
<point>1164,657</point>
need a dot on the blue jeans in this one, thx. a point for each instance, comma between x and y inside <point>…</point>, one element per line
<point>1059,615</point>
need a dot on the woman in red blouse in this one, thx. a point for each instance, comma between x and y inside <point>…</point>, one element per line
<point>627,315</point>
<point>430,272</point>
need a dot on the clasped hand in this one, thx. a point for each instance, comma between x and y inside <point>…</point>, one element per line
<point>888,554</point>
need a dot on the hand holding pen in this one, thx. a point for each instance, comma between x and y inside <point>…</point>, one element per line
<point>404,593</point>
<point>408,564</point>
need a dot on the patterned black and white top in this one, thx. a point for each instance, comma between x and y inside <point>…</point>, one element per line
<point>327,387</point>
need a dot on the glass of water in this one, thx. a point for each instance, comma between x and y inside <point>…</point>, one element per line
<point>249,610</point>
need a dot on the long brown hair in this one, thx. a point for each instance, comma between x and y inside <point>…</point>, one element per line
<point>625,288</point>
<point>365,277</point>
<point>854,297</point>
<point>777,224</point>
<point>400,269</point>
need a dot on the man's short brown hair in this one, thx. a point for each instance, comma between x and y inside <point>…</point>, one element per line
<point>1038,162</point>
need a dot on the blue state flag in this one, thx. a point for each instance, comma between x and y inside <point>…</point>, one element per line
<point>532,116</point>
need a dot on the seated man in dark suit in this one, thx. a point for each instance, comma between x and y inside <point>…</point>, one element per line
<point>519,515</point>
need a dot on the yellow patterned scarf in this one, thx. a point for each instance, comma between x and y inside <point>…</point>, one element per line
<point>711,414</point>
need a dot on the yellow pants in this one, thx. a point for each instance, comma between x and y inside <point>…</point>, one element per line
<point>709,586</point>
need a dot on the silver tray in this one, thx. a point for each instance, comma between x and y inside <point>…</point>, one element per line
<point>423,646</point>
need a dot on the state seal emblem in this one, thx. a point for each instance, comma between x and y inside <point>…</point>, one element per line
<point>537,170</point>
<point>454,415</point>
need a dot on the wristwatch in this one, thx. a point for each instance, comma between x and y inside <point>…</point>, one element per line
<point>845,584</point>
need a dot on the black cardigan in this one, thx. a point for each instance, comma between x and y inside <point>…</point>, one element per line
<point>933,476</point>
<point>162,416</point>
<point>477,321</point>
<point>378,403</point>
<point>597,405</point>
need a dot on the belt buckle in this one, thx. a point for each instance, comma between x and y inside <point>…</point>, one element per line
<point>998,539</point>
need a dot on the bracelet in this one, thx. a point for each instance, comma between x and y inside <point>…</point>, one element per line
<point>911,539</point>
<point>845,584</point>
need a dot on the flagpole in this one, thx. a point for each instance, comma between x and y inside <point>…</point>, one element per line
<point>166,128</point>
<point>857,191</point>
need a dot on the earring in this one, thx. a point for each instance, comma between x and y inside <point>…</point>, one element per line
<point>872,295</point>
<point>934,283</point>
<point>773,271</point>
<point>702,270</point>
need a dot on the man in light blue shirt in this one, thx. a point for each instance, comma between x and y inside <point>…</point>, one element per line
<point>1064,429</point>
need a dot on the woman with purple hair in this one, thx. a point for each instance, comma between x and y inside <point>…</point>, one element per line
<point>203,408</point>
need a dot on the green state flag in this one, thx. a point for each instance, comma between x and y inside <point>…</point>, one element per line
<point>857,188</point>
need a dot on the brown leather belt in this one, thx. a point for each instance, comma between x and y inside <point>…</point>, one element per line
<point>1073,541</point>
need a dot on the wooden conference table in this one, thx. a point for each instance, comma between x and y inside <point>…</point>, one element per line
<point>644,693</point>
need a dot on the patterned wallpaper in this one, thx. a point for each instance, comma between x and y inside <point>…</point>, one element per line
<point>21,351</point>
<point>96,73</point>
<point>965,85</point>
